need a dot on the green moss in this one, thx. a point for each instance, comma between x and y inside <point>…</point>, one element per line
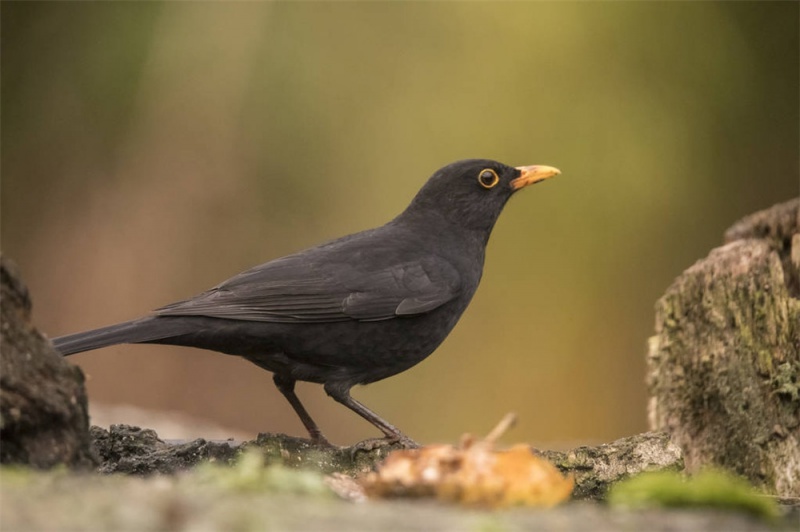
<point>785,380</point>
<point>709,488</point>
<point>765,362</point>
<point>12,475</point>
<point>18,475</point>
<point>490,524</point>
<point>250,474</point>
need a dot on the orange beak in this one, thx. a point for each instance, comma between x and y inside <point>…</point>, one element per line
<point>533,174</point>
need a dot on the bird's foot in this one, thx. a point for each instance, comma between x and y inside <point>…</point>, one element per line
<point>370,445</point>
<point>406,442</point>
<point>388,443</point>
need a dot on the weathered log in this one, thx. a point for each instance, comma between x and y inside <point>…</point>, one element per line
<point>133,450</point>
<point>595,469</point>
<point>724,364</point>
<point>43,411</point>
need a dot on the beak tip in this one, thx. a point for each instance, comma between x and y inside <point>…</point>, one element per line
<point>533,174</point>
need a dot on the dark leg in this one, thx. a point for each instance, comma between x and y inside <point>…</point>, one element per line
<point>341,395</point>
<point>286,386</point>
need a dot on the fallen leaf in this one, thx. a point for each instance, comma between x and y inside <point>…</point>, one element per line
<point>473,473</point>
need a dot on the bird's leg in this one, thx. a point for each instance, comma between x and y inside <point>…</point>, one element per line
<point>286,386</point>
<point>341,394</point>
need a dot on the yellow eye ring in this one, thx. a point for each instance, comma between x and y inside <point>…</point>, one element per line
<point>488,178</point>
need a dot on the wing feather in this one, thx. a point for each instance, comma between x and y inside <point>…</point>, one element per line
<point>295,289</point>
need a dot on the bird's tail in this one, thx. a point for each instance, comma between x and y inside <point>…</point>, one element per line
<point>130,332</point>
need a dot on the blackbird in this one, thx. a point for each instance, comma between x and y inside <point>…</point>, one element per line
<point>351,311</point>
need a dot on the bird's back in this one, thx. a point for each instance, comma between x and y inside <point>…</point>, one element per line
<point>360,308</point>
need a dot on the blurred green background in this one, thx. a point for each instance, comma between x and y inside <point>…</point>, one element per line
<point>152,150</point>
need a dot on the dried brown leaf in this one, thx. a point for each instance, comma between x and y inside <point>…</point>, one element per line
<point>473,473</point>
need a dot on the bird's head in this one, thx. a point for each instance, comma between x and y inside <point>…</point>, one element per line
<point>472,193</point>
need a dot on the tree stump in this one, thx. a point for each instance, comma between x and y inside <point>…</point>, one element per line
<point>724,364</point>
<point>43,411</point>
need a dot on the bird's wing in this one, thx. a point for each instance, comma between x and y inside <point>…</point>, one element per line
<point>298,290</point>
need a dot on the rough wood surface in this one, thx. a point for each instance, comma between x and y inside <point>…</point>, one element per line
<point>138,451</point>
<point>132,450</point>
<point>724,364</point>
<point>43,414</point>
<point>596,468</point>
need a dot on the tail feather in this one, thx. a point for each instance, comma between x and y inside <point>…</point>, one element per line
<point>130,332</point>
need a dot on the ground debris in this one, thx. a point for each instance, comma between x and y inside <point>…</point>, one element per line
<point>472,473</point>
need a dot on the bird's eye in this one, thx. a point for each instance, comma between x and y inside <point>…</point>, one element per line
<point>488,178</point>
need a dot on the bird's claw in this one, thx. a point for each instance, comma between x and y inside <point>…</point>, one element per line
<point>407,442</point>
<point>388,443</point>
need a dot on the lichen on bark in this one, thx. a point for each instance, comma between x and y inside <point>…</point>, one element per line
<point>724,364</point>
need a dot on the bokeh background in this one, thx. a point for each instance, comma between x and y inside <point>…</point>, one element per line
<point>151,150</point>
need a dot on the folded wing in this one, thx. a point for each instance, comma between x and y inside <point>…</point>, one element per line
<point>299,289</point>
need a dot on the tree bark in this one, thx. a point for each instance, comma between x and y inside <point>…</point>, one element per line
<point>43,412</point>
<point>724,364</point>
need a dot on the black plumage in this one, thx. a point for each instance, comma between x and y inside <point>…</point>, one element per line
<point>351,311</point>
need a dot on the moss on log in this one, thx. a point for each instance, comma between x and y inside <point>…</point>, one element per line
<point>724,364</point>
